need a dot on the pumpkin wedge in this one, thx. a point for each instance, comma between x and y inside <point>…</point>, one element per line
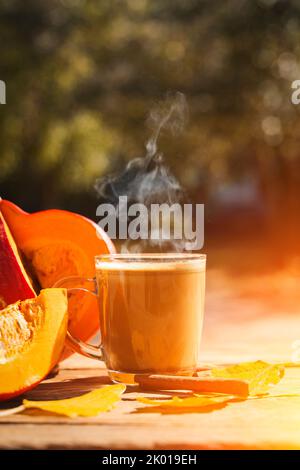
<point>14,281</point>
<point>58,244</point>
<point>32,337</point>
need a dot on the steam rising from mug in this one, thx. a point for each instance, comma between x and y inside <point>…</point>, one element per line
<point>147,180</point>
<point>170,114</point>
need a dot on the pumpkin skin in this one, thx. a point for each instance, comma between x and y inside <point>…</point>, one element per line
<point>14,281</point>
<point>39,325</point>
<point>58,244</point>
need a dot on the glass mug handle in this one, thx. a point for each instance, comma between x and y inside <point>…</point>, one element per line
<point>76,344</point>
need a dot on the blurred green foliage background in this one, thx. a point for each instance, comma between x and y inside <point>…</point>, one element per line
<point>81,76</point>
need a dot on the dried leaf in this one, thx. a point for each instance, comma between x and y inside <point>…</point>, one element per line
<point>194,402</point>
<point>260,375</point>
<point>89,404</point>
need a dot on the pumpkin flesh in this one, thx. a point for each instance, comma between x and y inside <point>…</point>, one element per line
<point>60,244</point>
<point>32,336</point>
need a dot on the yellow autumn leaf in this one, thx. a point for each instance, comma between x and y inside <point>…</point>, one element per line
<point>259,374</point>
<point>196,401</point>
<point>89,404</point>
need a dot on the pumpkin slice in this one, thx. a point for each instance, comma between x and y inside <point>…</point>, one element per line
<point>59,244</point>
<point>32,337</point>
<point>14,281</point>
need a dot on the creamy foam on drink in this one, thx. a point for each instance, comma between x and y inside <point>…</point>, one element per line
<point>151,313</point>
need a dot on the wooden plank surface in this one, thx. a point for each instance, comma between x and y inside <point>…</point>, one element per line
<point>237,328</point>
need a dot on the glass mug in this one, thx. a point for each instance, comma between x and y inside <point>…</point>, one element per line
<point>151,312</point>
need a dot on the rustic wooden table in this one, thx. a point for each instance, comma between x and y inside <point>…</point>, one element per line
<point>237,328</point>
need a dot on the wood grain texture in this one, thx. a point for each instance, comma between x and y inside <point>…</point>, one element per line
<point>237,328</point>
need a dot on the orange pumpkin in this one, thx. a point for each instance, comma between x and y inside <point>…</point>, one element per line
<point>14,281</point>
<point>32,337</point>
<point>57,244</point>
